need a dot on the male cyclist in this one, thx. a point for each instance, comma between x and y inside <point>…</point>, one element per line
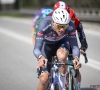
<point>79,28</point>
<point>46,12</point>
<point>51,39</point>
<point>77,23</point>
<point>36,16</point>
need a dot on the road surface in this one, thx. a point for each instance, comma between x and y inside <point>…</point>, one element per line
<point>18,64</point>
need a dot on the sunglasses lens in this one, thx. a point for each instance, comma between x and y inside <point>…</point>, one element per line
<point>62,26</point>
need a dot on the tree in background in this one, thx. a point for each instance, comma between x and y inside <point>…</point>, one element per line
<point>49,3</point>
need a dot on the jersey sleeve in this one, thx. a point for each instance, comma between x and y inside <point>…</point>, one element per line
<point>71,28</point>
<point>82,36</point>
<point>73,41</point>
<point>74,46</point>
<point>39,39</point>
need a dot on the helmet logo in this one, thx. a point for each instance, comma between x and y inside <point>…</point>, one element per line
<point>62,5</point>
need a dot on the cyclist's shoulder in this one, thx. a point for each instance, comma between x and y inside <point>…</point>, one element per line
<point>37,15</point>
<point>46,20</point>
<point>71,27</point>
<point>71,23</point>
<point>39,19</point>
<point>50,14</point>
<point>45,23</point>
<point>77,19</point>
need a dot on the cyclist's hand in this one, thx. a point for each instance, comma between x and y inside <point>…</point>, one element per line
<point>76,63</point>
<point>42,62</point>
<point>82,51</point>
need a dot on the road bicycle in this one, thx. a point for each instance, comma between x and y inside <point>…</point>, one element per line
<point>71,74</point>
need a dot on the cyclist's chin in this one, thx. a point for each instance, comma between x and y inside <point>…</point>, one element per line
<point>60,34</point>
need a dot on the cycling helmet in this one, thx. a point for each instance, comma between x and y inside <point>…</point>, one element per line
<point>47,11</point>
<point>60,4</point>
<point>72,14</point>
<point>61,16</point>
<point>42,10</point>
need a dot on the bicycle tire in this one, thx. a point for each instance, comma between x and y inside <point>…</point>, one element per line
<point>74,82</point>
<point>57,86</point>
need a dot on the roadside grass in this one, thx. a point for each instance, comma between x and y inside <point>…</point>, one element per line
<point>10,15</point>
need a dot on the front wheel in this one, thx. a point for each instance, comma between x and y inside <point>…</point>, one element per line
<point>57,86</point>
<point>74,82</point>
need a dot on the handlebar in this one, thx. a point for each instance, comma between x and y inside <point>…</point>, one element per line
<point>85,57</point>
<point>76,72</point>
<point>58,63</point>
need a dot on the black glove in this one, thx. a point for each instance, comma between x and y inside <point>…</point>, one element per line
<point>83,48</point>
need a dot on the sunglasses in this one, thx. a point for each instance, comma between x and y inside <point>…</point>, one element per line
<point>59,26</point>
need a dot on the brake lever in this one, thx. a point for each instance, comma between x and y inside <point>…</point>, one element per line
<point>86,59</point>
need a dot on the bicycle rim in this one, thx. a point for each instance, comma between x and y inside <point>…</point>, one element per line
<point>74,83</point>
<point>70,81</point>
<point>57,86</point>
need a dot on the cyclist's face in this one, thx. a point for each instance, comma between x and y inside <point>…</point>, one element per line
<point>59,28</point>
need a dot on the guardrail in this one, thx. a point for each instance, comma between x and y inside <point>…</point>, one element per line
<point>92,15</point>
<point>88,14</point>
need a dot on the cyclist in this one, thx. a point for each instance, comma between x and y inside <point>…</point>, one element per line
<point>77,23</point>
<point>36,16</point>
<point>51,39</point>
<point>79,28</point>
<point>47,11</point>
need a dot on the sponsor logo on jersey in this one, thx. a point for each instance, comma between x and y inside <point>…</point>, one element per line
<point>39,33</point>
<point>73,33</point>
<point>39,38</point>
<point>80,25</point>
<point>46,27</point>
<point>70,28</point>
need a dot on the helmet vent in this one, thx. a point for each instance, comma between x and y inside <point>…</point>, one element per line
<point>57,18</point>
<point>62,5</point>
<point>55,12</point>
<point>62,12</point>
<point>59,12</point>
<point>63,16</point>
<point>61,19</point>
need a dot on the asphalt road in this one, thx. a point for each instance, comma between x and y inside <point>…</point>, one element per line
<point>18,64</point>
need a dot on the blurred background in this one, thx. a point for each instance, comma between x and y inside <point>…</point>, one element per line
<point>88,10</point>
<point>17,62</point>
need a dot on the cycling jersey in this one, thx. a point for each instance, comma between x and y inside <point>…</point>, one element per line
<point>37,24</point>
<point>81,34</point>
<point>36,16</point>
<point>46,34</point>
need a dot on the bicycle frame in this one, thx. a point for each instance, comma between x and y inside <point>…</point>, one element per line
<point>70,69</point>
<point>71,75</point>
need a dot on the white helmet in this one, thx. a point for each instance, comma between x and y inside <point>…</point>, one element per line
<point>61,16</point>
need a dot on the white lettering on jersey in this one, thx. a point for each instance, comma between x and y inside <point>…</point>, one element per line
<point>46,27</point>
<point>70,28</point>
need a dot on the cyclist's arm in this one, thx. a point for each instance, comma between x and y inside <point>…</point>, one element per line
<point>71,27</point>
<point>39,40</point>
<point>82,37</point>
<point>74,45</point>
<point>73,42</point>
